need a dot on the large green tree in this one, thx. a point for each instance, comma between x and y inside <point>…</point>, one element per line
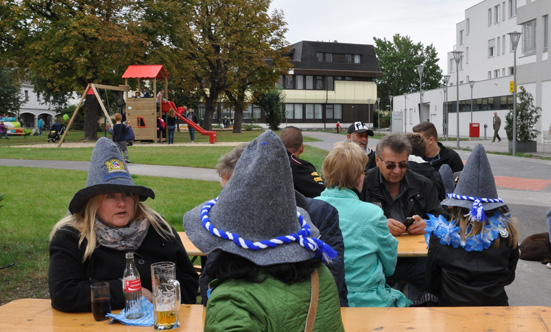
<point>11,97</point>
<point>398,59</point>
<point>64,45</point>
<point>232,46</point>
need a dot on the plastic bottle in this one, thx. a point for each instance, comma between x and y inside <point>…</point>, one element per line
<point>132,288</point>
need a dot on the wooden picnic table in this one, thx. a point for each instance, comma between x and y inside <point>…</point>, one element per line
<point>408,246</point>
<point>37,315</point>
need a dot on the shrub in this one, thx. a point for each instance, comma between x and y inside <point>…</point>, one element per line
<point>527,117</point>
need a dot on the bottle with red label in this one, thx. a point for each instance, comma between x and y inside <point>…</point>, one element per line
<point>132,288</point>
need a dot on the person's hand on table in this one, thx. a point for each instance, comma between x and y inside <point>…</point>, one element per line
<point>395,227</point>
<point>418,226</point>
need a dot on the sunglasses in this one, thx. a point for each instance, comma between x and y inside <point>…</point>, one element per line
<point>391,166</point>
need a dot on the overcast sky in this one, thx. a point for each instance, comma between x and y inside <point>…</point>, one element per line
<point>358,21</point>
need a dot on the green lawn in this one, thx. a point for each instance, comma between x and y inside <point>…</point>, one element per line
<point>35,199</point>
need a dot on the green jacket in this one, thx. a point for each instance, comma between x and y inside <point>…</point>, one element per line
<point>271,305</point>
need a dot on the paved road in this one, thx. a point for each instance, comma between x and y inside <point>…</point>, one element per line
<point>524,183</point>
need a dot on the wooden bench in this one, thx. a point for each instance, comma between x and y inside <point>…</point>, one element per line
<point>37,315</point>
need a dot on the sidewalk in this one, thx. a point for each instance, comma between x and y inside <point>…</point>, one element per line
<point>500,147</point>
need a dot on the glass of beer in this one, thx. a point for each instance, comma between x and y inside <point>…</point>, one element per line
<point>166,295</point>
<point>101,300</point>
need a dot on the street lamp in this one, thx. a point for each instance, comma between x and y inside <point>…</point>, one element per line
<point>391,97</point>
<point>471,83</point>
<point>515,37</point>
<point>420,71</point>
<point>457,56</point>
<point>446,115</point>
<point>378,114</point>
<point>405,111</point>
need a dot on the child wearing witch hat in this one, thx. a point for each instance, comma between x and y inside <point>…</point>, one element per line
<point>474,256</point>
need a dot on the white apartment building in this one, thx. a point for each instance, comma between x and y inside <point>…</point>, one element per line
<point>487,63</point>
<point>34,108</point>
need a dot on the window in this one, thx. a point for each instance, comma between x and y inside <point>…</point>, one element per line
<point>496,73</point>
<point>298,111</point>
<point>467,55</point>
<point>26,94</point>
<point>330,85</point>
<point>337,112</point>
<point>318,111</point>
<point>452,61</point>
<point>357,58</point>
<point>299,82</point>
<point>289,82</point>
<point>498,46</point>
<point>328,57</point>
<point>319,56</point>
<point>496,14</point>
<point>529,37</point>
<point>289,111</point>
<point>329,111</point>
<point>309,111</point>
<point>504,44</point>
<point>512,8</point>
<point>490,17</point>
<point>511,70</point>
<point>309,82</point>
<point>348,58</point>
<point>257,112</point>
<point>140,122</point>
<point>319,82</point>
<point>491,48</point>
<point>468,24</point>
<point>545,32</point>
<point>489,74</point>
<point>461,39</point>
<point>502,71</point>
<point>503,11</point>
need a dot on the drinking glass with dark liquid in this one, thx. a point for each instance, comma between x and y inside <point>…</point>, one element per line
<point>101,300</point>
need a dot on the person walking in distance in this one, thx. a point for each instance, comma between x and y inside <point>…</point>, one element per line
<point>497,125</point>
<point>191,117</point>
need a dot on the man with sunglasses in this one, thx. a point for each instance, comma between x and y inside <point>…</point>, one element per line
<point>401,194</point>
<point>358,133</point>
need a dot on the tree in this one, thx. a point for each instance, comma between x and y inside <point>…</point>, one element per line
<point>271,103</point>
<point>11,97</point>
<point>229,44</point>
<point>527,117</point>
<point>398,60</point>
<point>64,45</point>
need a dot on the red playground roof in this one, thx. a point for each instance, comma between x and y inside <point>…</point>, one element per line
<point>145,71</point>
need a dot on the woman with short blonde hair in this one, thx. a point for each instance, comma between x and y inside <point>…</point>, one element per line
<point>343,165</point>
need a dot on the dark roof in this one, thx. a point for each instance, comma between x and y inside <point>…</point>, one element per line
<point>303,57</point>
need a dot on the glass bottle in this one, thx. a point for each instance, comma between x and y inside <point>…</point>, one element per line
<point>132,288</point>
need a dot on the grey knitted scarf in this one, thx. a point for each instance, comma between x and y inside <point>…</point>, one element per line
<point>123,238</point>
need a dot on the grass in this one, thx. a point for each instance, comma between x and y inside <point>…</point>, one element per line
<point>35,199</point>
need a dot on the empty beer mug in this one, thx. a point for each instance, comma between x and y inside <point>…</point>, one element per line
<point>166,295</point>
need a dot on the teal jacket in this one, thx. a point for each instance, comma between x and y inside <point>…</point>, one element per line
<point>370,251</point>
<point>271,305</point>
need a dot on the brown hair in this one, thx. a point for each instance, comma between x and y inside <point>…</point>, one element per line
<point>343,165</point>
<point>292,138</point>
<point>418,144</point>
<point>171,113</point>
<point>118,117</point>
<point>426,127</point>
<point>459,215</point>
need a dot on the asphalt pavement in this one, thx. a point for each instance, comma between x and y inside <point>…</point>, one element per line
<point>523,183</point>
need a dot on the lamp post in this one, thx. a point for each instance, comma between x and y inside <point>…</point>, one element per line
<point>405,111</point>
<point>378,114</point>
<point>420,69</point>
<point>471,83</point>
<point>368,111</point>
<point>391,97</point>
<point>446,115</point>
<point>457,56</point>
<point>515,37</point>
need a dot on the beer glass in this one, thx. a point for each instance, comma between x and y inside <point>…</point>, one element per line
<point>101,300</point>
<point>166,295</point>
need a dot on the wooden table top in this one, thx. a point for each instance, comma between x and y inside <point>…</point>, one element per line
<point>37,315</point>
<point>412,246</point>
<point>408,246</point>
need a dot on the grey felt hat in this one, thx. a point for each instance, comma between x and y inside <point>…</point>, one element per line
<point>107,174</point>
<point>258,203</point>
<point>446,174</point>
<point>477,180</point>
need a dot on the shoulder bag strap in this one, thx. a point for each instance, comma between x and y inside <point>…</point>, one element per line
<point>311,318</point>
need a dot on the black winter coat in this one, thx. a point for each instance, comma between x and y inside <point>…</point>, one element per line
<point>476,278</point>
<point>70,279</point>
<point>447,156</point>
<point>426,170</point>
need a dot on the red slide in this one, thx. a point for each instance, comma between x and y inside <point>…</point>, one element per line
<point>167,105</point>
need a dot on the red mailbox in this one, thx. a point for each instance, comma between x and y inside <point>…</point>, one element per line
<point>474,130</point>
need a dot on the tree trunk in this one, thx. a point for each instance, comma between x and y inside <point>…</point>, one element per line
<point>209,111</point>
<point>237,120</point>
<point>91,119</point>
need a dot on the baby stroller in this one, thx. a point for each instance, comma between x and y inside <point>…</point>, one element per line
<point>56,130</point>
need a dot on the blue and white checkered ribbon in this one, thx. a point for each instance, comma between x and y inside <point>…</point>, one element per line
<point>322,250</point>
<point>477,211</point>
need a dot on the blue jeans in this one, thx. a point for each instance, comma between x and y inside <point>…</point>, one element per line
<point>40,131</point>
<point>171,134</point>
<point>4,133</point>
<point>191,133</point>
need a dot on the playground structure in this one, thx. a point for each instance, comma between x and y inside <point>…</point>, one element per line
<point>14,127</point>
<point>141,113</point>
